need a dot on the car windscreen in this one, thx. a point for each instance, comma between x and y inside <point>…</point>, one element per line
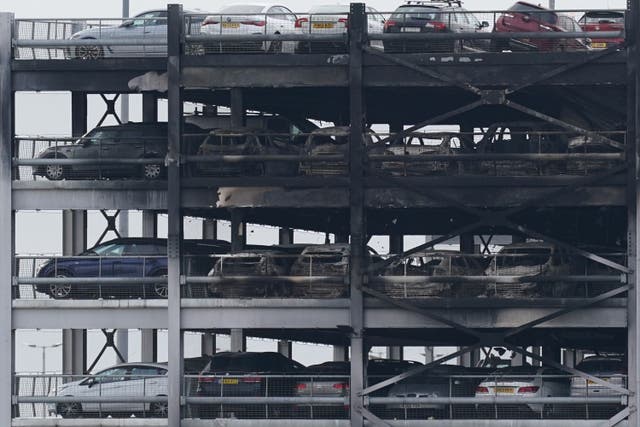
<point>537,13</point>
<point>603,18</point>
<point>417,13</point>
<point>569,24</point>
<point>242,9</point>
<point>595,366</point>
<point>111,249</point>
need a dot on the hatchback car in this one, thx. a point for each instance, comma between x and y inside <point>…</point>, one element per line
<point>611,368</point>
<point>434,17</point>
<point>247,374</point>
<point>125,257</point>
<point>119,143</point>
<point>256,19</point>
<point>334,19</point>
<point>518,383</point>
<point>266,265</point>
<point>528,18</point>
<point>126,381</point>
<point>603,20</point>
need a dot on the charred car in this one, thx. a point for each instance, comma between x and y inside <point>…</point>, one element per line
<point>256,273</point>
<point>589,145</point>
<point>324,143</point>
<point>331,262</point>
<point>525,261</point>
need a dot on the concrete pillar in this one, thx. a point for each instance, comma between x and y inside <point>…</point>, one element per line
<point>238,340</point>
<point>238,231</point>
<point>148,345</point>
<point>569,357</point>
<point>537,351</point>
<point>285,348</point>
<point>149,224</point>
<point>285,236</point>
<point>517,360</point>
<point>428,355</point>
<point>467,243</point>
<point>210,229</point>
<point>470,359</point>
<point>340,353</point>
<point>342,238</point>
<point>74,352</point>
<point>207,344</point>
<point>395,352</point>
<point>552,352</point>
<point>237,108</point>
<point>122,343</point>
<point>396,246</point>
<point>74,232</point>
<point>149,107</point>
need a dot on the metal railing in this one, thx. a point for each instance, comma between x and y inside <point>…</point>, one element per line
<point>401,31</point>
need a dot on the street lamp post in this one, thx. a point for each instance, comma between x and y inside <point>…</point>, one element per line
<point>44,352</point>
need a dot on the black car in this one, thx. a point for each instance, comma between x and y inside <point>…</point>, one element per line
<point>247,374</point>
<point>122,143</point>
<point>433,17</point>
<point>126,257</point>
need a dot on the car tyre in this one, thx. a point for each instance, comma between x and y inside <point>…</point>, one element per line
<point>159,409</point>
<point>89,52</point>
<point>69,409</point>
<point>60,291</point>
<point>152,171</point>
<point>55,172</point>
<point>159,290</point>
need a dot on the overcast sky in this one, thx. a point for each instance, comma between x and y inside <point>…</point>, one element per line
<point>40,232</point>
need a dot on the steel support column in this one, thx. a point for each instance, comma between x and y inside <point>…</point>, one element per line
<point>632,147</point>
<point>357,225</point>
<point>149,107</point>
<point>207,344</point>
<point>285,348</point>
<point>175,222</point>
<point>210,229</point>
<point>149,337</point>
<point>340,353</point>
<point>78,114</point>
<point>237,108</point>
<point>285,236</point>
<point>238,231</point>
<point>238,340</point>
<point>396,246</point>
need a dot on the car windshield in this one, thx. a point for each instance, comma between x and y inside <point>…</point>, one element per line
<point>600,365</point>
<point>243,8</point>
<point>603,18</point>
<point>418,13</point>
<point>538,14</point>
<point>110,249</point>
<point>568,24</point>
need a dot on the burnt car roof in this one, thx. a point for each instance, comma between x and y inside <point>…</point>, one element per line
<point>332,131</point>
<point>336,247</point>
<point>528,245</point>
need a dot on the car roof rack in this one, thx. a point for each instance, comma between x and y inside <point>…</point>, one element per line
<point>430,2</point>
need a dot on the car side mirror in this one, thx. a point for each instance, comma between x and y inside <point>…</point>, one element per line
<point>90,382</point>
<point>127,23</point>
<point>484,24</point>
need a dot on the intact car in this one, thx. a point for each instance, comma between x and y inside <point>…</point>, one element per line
<point>245,142</point>
<point>126,381</point>
<point>322,260</point>
<point>334,19</point>
<point>527,260</point>
<point>125,257</point>
<point>248,19</point>
<point>434,17</point>
<point>518,383</point>
<point>611,368</point>
<point>121,143</point>
<point>150,26</point>
<point>439,381</point>
<point>331,379</point>
<point>603,20</point>
<point>248,374</point>
<point>258,264</point>
<point>528,18</point>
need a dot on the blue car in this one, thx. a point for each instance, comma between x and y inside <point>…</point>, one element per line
<point>126,257</point>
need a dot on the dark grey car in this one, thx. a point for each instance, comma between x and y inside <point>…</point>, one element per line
<point>107,151</point>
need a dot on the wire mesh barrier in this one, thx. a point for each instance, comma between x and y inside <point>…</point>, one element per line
<point>502,149</point>
<point>91,39</point>
<point>122,391</point>
<point>443,28</point>
<point>427,396</point>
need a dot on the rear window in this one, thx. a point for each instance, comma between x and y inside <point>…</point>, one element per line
<point>602,18</point>
<point>421,13</point>
<point>537,13</point>
<point>242,8</point>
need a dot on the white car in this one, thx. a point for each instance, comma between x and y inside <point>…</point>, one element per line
<point>334,19</point>
<point>129,380</point>
<point>608,368</point>
<point>249,19</point>
<point>517,383</point>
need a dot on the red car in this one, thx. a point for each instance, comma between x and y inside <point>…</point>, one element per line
<point>603,20</point>
<point>529,18</point>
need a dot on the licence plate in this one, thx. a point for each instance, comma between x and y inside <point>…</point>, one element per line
<point>323,25</point>
<point>505,390</point>
<point>410,29</point>
<point>230,25</point>
<point>598,45</point>
<point>229,381</point>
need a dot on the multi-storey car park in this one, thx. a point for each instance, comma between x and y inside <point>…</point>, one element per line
<point>545,153</point>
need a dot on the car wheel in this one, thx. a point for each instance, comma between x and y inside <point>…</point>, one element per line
<point>152,171</point>
<point>194,49</point>
<point>60,291</point>
<point>69,409</point>
<point>159,409</point>
<point>54,172</point>
<point>160,290</point>
<point>89,52</point>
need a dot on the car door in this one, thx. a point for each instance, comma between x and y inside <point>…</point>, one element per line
<point>109,255</point>
<point>110,148</point>
<point>90,148</point>
<point>138,27</point>
<point>104,383</point>
<point>144,381</point>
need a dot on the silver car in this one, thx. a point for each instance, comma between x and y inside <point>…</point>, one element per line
<point>125,381</point>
